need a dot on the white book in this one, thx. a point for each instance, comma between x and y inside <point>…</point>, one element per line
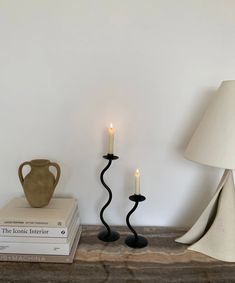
<point>32,231</point>
<point>53,240</point>
<point>44,258</point>
<point>39,248</point>
<point>58,213</point>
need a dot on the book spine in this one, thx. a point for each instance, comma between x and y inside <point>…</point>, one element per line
<point>33,231</point>
<point>56,223</point>
<point>43,258</point>
<point>36,258</point>
<point>35,248</point>
<point>38,248</point>
<point>19,239</point>
<point>55,240</point>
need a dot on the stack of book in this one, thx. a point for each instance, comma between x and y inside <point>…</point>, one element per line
<point>48,234</point>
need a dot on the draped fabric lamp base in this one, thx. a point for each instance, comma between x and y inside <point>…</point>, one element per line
<point>213,234</point>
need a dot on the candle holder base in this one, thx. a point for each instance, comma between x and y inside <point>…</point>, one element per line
<point>108,237</point>
<point>136,243</point>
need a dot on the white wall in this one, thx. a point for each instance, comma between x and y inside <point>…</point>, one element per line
<point>70,67</point>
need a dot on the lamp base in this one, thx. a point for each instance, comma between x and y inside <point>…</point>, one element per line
<point>138,243</point>
<point>108,237</point>
<point>213,234</point>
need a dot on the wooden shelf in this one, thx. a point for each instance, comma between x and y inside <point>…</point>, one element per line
<point>162,260</point>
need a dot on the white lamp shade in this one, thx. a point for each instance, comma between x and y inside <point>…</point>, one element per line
<point>213,142</point>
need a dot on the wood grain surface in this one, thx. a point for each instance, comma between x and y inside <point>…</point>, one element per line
<point>162,260</point>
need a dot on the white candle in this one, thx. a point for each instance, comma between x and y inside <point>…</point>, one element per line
<point>111,132</point>
<point>137,182</point>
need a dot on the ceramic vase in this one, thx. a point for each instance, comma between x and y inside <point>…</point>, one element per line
<point>39,184</point>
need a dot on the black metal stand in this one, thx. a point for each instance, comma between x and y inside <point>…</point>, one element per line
<point>135,241</point>
<point>107,235</point>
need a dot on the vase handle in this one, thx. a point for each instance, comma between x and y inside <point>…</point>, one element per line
<point>57,167</point>
<point>20,171</point>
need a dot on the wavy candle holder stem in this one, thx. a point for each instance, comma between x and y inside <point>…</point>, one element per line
<point>135,241</point>
<point>107,235</point>
<point>128,220</point>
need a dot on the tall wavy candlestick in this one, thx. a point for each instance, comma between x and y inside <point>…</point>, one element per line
<point>107,235</point>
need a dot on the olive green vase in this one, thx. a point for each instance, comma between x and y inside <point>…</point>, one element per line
<point>39,184</point>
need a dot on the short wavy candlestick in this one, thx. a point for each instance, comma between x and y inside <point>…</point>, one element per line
<point>135,241</point>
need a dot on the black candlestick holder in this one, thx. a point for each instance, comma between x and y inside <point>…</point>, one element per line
<point>107,235</point>
<point>135,241</point>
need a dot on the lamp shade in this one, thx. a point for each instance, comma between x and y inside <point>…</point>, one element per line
<point>213,142</point>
